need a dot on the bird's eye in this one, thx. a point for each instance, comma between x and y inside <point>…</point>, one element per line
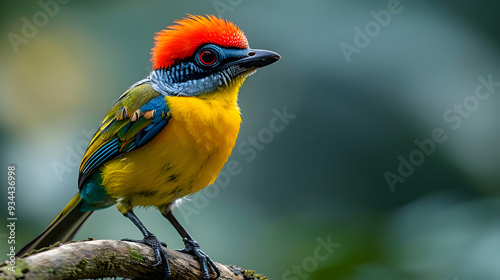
<point>207,57</point>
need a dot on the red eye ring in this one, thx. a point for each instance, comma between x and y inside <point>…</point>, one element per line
<point>207,57</point>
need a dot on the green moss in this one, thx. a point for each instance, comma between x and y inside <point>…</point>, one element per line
<point>104,263</point>
<point>78,270</point>
<point>135,254</point>
<point>57,244</point>
<point>82,265</point>
<point>50,270</point>
<point>250,274</point>
<point>21,267</point>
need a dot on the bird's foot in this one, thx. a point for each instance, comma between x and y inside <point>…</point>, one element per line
<point>160,253</point>
<point>193,248</point>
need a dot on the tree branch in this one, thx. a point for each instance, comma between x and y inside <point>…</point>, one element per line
<point>109,258</point>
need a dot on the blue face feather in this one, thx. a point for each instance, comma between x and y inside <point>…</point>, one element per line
<point>204,72</point>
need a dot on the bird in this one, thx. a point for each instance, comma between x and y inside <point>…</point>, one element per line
<point>168,135</point>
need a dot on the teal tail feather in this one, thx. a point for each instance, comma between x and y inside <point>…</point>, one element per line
<point>63,228</point>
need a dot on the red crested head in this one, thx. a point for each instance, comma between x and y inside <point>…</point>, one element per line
<point>180,41</point>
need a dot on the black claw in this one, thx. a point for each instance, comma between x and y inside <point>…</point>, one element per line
<point>206,264</point>
<point>214,267</point>
<point>160,253</point>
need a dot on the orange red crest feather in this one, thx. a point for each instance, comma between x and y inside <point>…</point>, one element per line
<point>181,40</point>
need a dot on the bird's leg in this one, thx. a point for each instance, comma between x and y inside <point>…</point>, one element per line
<point>150,240</point>
<point>192,247</point>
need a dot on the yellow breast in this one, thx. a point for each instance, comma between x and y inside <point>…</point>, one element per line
<point>186,156</point>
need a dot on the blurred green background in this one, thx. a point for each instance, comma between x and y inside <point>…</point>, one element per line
<point>323,178</point>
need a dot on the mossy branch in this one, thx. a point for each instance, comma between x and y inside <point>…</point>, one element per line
<point>109,258</point>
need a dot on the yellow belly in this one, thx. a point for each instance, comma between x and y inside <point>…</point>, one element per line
<point>182,159</point>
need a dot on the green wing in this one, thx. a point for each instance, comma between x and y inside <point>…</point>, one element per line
<point>136,118</point>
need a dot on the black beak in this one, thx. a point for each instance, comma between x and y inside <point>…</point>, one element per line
<point>256,59</point>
